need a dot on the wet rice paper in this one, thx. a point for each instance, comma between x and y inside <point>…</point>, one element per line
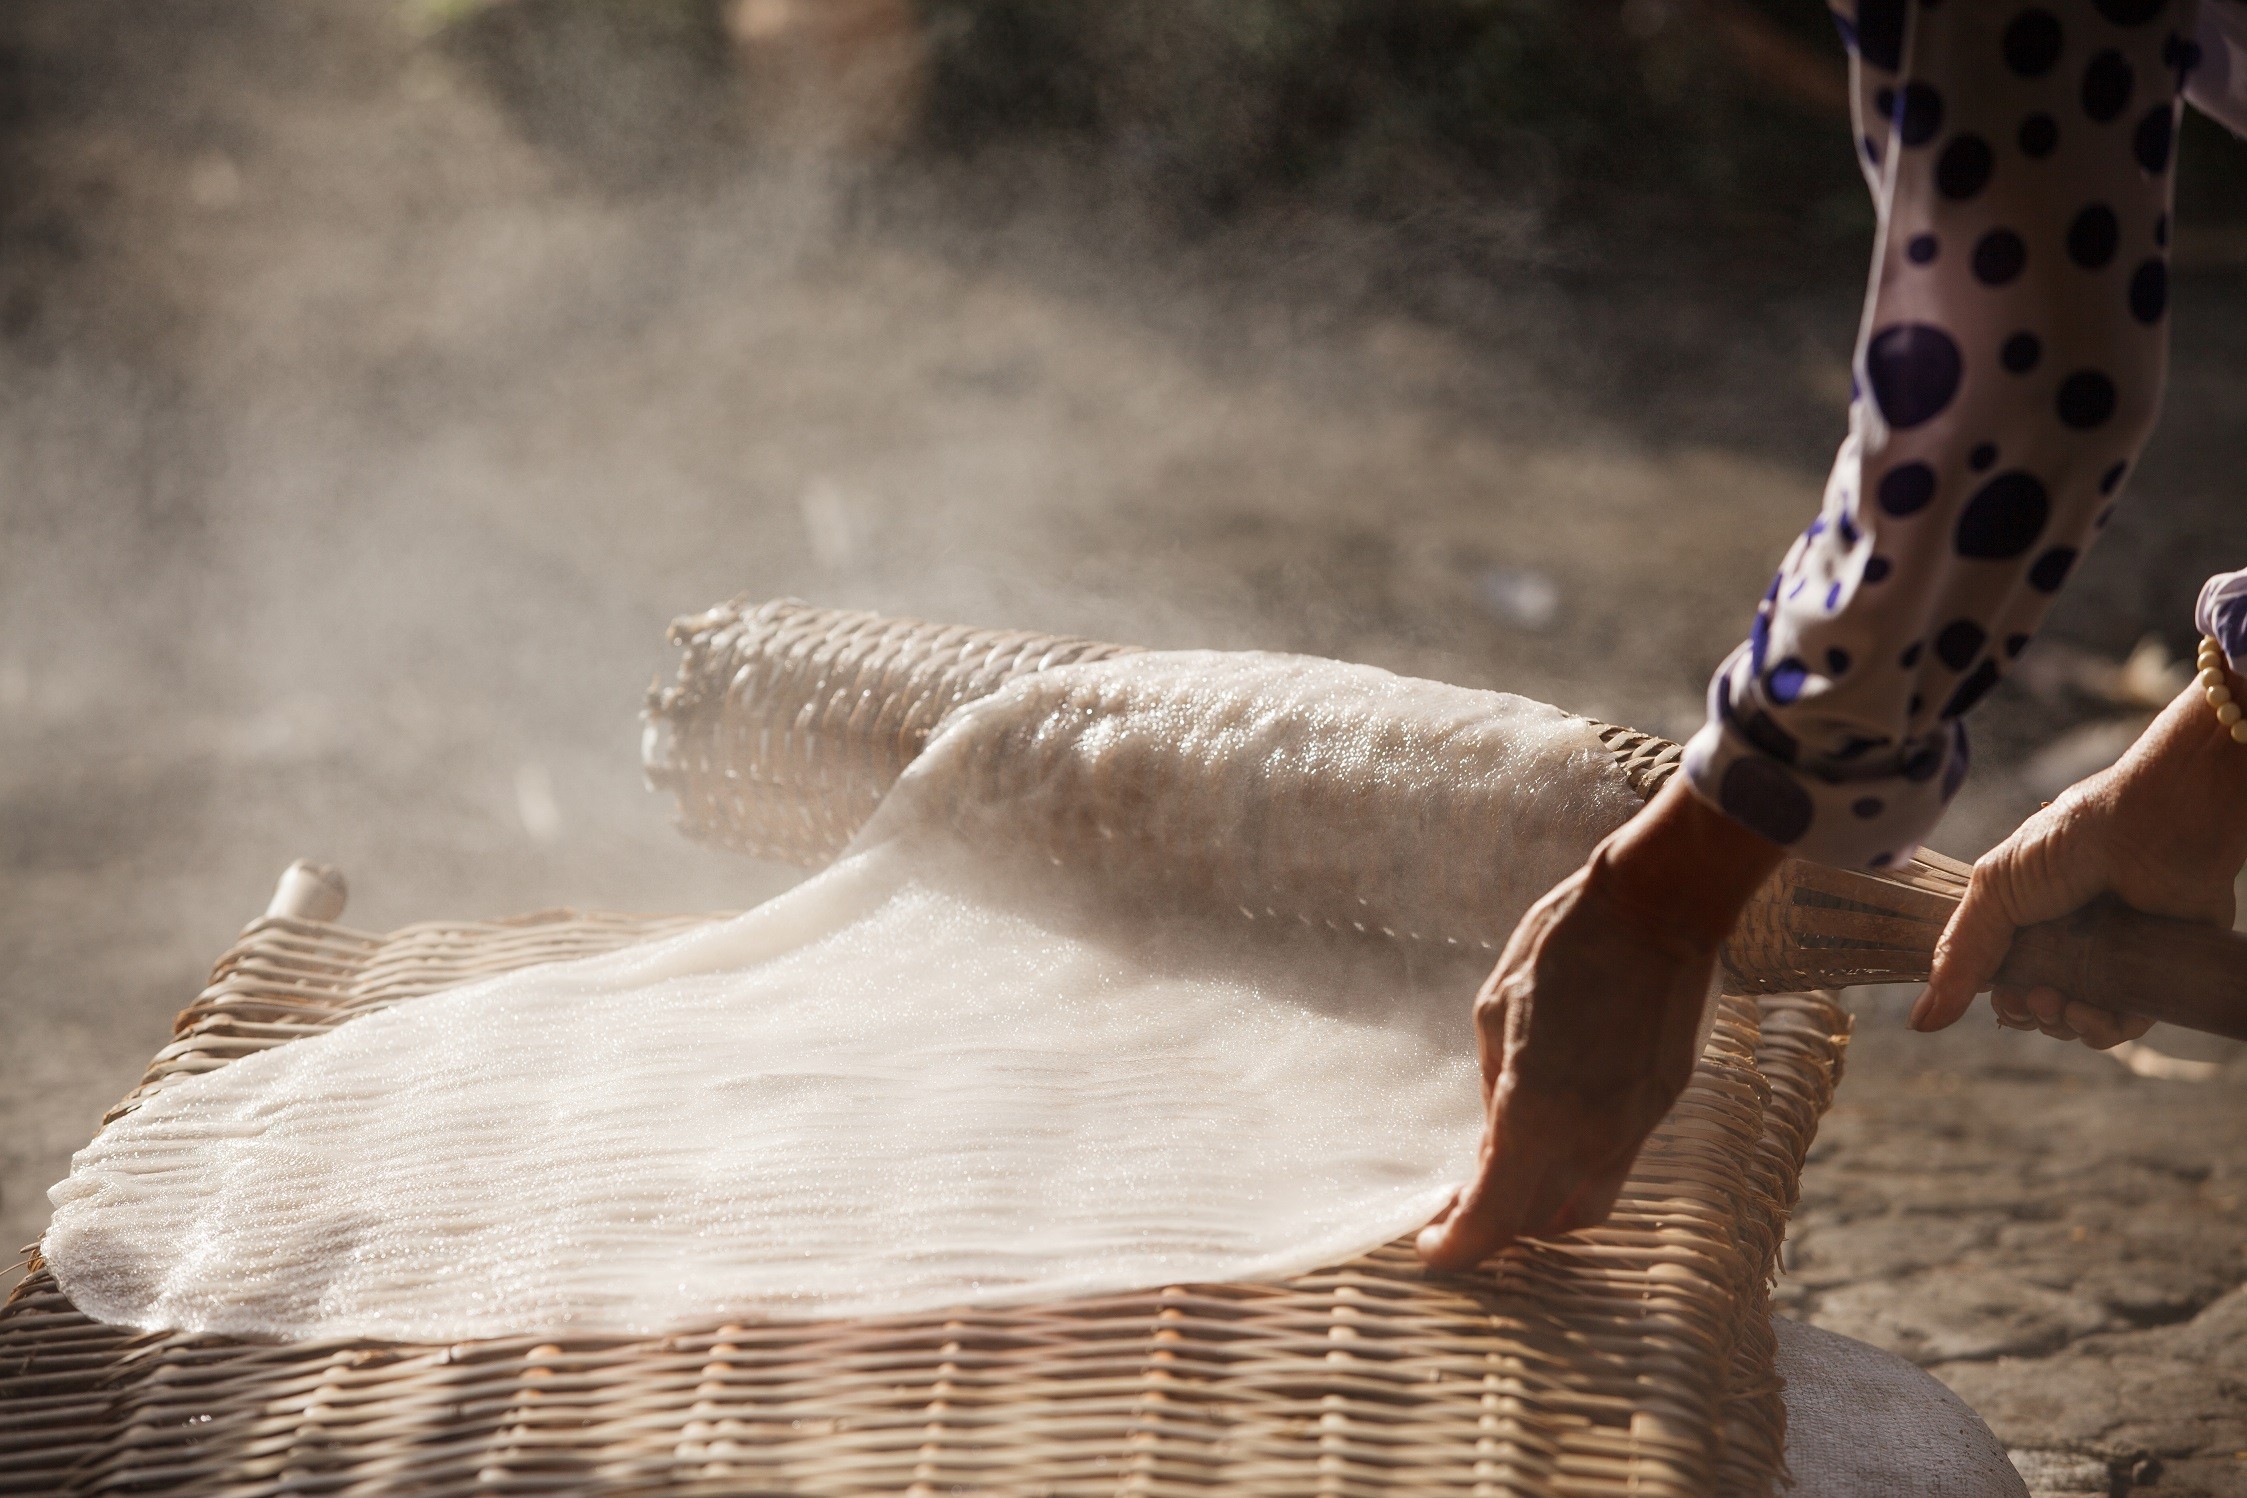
<point>1086,1007</point>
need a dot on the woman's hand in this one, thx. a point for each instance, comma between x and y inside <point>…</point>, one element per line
<point>2164,830</point>
<point>1586,1027</point>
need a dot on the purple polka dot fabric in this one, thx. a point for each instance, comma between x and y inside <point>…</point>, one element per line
<point>2216,70</point>
<point>2003,389</point>
<point>2221,615</point>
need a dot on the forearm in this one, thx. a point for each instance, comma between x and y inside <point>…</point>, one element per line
<point>2008,370</point>
<point>2185,783</point>
<point>1683,869</point>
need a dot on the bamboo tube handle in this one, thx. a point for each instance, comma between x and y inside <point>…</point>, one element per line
<point>2178,972</point>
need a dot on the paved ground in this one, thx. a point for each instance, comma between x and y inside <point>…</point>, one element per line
<point>357,451</point>
<point>2060,1241</point>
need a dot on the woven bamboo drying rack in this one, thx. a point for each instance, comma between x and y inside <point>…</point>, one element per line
<point>1630,1359</point>
<point>787,725</point>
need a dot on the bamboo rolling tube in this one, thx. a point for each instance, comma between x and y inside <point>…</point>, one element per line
<point>2179,972</point>
<point>787,724</point>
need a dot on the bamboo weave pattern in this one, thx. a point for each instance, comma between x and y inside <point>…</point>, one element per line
<point>1635,1358</point>
<point>787,723</point>
<point>1631,1359</point>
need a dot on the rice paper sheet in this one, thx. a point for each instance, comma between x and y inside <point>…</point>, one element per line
<point>1085,1008</point>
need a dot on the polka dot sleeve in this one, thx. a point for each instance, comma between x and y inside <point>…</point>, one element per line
<point>2217,81</point>
<point>2221,615</point>
<point>2007,371</point>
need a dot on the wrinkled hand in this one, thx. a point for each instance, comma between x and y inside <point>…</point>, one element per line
<point>1586,1027</point>
<point>1585,1032</point>
<point>2164,831</point>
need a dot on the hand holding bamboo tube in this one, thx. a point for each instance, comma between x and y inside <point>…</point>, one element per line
<point>2112,906</point>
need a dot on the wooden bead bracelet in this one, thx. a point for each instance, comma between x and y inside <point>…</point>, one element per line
<point>2212,681</point>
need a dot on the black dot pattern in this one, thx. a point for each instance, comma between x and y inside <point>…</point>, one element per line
<point>2032,43</point>
<point>2107,85</point>
<point>2131,12</point>
<point>1958,644</point>
<point>1964,168</point>
<point>2003,518</point>
<point>2155,134</point>
<point>1919,114</point>
<point>1973,689</point>
<point>2022,154</point>
<point>2093,236</point>
<point>2086,400</point>
<point>1880,33</point>
<point>2149,291</point>
<point>1999,257</point>
<point>1914,369</point>
<point>2051,569</point>
<point>1907,489</point>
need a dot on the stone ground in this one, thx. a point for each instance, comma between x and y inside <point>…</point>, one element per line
<point>2059,1241</point>
<point>357,447</point>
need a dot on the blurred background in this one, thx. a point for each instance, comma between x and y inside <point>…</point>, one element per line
<point>378,377</point>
